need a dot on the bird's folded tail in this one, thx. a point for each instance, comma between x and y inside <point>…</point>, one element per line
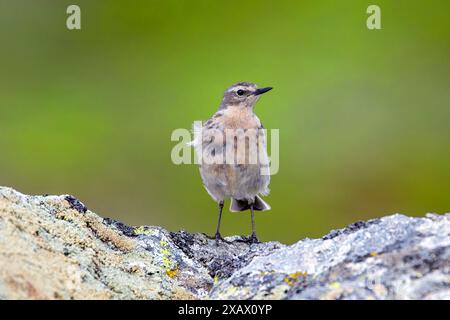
<point>242,205</point>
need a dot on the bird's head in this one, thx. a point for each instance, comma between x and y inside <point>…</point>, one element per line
<point>243,94</point>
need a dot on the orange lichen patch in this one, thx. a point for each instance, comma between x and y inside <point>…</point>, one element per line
<point>23,287</point>
<point>109,235</point>
<point>183,295</point>
<point>293,278</point>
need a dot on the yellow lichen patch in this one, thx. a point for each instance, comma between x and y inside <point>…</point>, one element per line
<point>335,285</point>
<point>216,279</point>
<point>166,262</point>
<point>172,272</point>
<point>165,251</point>
<point>170,266</point>
<point>230,290</point>
<point>266,272</point>
<point>373,254</point>
<point>292,278</point>
<point>142,230</point>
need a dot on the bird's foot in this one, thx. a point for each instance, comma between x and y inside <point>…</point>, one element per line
<point>250,239</point>
<point>254,239</point>
<point>218,238</point>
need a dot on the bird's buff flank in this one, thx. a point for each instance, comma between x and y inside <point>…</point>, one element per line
<point>231,148</point>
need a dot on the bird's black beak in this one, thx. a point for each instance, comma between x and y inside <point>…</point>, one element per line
<point>262,90</point>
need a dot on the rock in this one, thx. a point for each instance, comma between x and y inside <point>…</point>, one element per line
<point>395,257</point>
<point>53,247</point>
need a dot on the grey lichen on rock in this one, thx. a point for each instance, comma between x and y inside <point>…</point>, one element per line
<point>395,257</point>
<point>53,247</point>
<point>49,249</point>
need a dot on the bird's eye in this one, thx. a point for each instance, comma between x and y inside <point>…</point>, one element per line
<point>240,92</point>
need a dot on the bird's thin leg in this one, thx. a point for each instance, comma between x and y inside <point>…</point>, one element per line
<point>253,238</point>
<point>218,236</point>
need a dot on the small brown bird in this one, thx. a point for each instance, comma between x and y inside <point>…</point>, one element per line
<point>232,153</point>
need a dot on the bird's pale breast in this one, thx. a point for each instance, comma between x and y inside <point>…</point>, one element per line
<point>235,180</point>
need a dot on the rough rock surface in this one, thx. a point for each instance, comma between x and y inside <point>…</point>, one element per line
<point>53,247</point>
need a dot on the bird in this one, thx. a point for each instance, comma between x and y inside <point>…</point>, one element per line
<point>232,168</point>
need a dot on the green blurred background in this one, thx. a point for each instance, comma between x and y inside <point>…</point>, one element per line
<point>363,115</point>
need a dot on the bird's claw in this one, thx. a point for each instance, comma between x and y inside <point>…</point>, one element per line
<point>253,239</point>
<point>218,238</point>
<point>250,239</point>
